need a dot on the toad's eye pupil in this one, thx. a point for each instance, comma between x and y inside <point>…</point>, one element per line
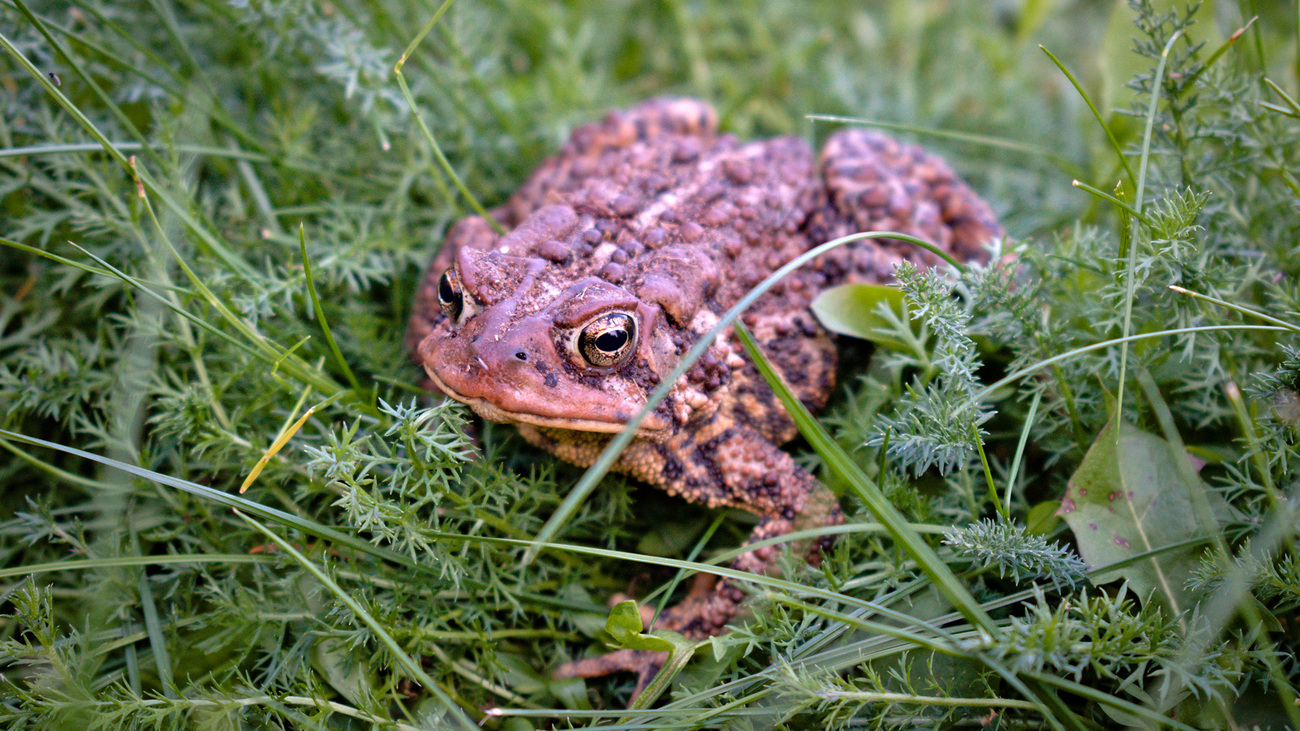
<point>450,299</point>
<point>608,340</point>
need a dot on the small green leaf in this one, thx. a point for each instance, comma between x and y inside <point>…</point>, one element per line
<point>625,626</point>
<point>854,309</point>
<point>1128,498</point>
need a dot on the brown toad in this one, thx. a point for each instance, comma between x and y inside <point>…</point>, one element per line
<point>626,247</point>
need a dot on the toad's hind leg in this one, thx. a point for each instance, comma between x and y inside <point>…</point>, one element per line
<point>735,467</point>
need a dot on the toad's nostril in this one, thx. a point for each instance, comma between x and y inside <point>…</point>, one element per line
<point>521,355</point>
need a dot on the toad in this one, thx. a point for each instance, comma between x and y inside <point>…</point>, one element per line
<point>621,251</point>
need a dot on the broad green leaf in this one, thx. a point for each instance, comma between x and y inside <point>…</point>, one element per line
<point>1129,498</point>
<point>854,309</point>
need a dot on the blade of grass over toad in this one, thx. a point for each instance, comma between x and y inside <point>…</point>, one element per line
<point>1114,143</point>
<point>231,501</point>
<point>320,313</point>
<point>1130,266</point>
<point>843,466</point>
<point>399,656</point>
<point>615,447</point>
<point>866,490</point>
<point>1069,167</point>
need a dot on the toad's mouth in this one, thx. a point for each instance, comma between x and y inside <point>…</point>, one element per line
<point>653,423</point>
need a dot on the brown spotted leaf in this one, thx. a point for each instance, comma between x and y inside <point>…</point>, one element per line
<point>1130,497</point>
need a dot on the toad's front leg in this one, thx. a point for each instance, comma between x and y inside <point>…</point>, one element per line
<point>723,466</point>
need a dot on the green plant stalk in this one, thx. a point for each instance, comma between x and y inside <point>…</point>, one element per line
<point>1292,108</point>
<point>412,668</point>
<point>1130,266</point>
<point>988,474</point>
<point>1124,207</point>
<point>1110,134</point>
<point>320,313</point>
<point>1218,52</point>
<point>153,628</point>
<point>616,445</point>
<point>443,163</point>
<point>1020,449</point>
<point>1281,324</point>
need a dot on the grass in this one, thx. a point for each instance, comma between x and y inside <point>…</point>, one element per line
<point>214,215</point>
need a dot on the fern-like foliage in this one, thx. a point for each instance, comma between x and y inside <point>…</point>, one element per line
<point>936,423</point>
<point>1013,551</point>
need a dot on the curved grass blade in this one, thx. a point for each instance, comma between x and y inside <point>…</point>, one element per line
<point>1130,266</point>
<point>1069,167</point>
<point>615,447</point>
<point>1110,134</point>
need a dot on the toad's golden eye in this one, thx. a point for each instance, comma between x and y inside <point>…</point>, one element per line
<point>608,340</point>
<point>450,297</point>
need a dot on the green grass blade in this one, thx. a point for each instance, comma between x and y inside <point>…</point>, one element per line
<point>340,361</point>
<point>843,466</point>
<point>615,447</point>
<point>273,515</point>
<point>97,564</point>
<point>412,667</point>
<point>1130,265</point>
<point>1087,99</point>
<point>1067,166</point>
<point>1113,199</point>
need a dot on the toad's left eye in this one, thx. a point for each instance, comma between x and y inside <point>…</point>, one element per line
<point>608,340</point>
<point>450,297</point>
